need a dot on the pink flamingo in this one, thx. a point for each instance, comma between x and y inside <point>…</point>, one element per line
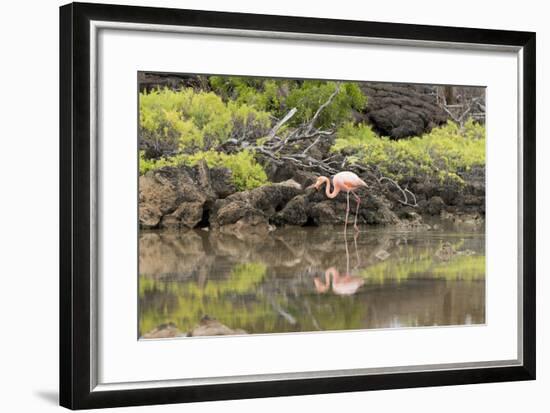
<point>343,181</point>
<point>341,284</point>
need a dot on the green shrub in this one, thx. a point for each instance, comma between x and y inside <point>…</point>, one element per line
<point>313,93</point>
<point>263,94</point>
<point>186,121</point>
<point>246,173</point>
<point>444,153</point>
<point>281,95</point>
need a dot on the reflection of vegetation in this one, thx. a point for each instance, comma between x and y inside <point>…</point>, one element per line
<point>263,296</point>
<point>464,267</point>
<point>443,153</point>
<point>195,301</point>
<point>409,262</point>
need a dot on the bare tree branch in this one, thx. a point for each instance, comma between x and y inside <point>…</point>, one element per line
<point>403,191</point>
<point>279,124</point>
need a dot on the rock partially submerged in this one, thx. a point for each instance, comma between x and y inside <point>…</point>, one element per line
<point>167,330</point>
<point>211,327</point>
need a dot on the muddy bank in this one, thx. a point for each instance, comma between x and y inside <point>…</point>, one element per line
<point>198,197</point>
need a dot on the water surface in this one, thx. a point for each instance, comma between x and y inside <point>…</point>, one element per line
<point>313,279</point>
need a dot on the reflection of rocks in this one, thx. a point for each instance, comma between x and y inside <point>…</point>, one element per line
<point>163,331</point>
<point>445,252</point>
<point>172,255</point>
<point>188,274</point>
<point>197,254</point>
<point>382,255</point>
<point>212,327</point>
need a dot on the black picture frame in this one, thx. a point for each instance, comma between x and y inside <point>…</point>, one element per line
<point>75,219</point>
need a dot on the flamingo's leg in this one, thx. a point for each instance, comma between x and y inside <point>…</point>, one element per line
<point>347,214</point>
<point>358,200</point>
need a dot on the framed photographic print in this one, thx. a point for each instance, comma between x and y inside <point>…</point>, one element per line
<point>258,206</point>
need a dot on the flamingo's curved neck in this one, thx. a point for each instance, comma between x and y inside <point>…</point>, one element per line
<point>335,191</point>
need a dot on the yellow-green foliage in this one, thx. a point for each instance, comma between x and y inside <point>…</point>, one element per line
<point>188,302</point>
<point>313,93</point>
<point>187,120</point>
<point>279,96</point>
<point>246,173</point>
<point>264,94</point>
<point>411,262</point>
<point>444,153</point>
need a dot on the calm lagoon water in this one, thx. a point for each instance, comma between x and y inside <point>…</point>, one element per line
<point>313,279</point>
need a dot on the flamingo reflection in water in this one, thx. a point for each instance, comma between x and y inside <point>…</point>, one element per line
<point>345,284</point>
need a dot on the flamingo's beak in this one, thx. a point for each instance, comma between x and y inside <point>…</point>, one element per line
<point>311,186</point>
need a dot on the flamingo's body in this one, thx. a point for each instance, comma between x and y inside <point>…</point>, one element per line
<point>343,181</point>
<point>341,284</point>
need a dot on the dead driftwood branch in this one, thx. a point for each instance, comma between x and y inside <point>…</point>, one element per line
<point>279,124</point>
<point>403,191</point>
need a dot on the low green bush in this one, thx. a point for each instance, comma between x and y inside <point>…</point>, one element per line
<point>444,153</point>
<point>186,121</point>
<point>278,96</point>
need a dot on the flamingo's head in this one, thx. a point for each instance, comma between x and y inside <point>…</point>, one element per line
<point>320,180</point>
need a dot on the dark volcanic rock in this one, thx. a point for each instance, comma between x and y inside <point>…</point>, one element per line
<point>294,213</point>
<point>175,197</point>
<point>325,213</point>
<point>400,111</point>
<point>263,202</point>
<point>435,205</point>
<point>221,182</point>
<point>188,214</point>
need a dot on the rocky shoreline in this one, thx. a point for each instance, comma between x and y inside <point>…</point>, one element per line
<point>198,197</point>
